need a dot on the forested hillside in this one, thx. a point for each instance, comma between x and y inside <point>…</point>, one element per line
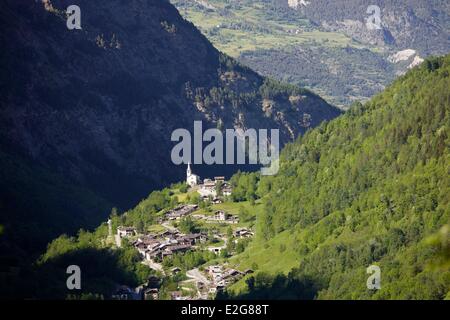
<point>86,118</point>
<point>368,188</point>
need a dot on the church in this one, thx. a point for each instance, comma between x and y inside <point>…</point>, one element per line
<point>191,178</point>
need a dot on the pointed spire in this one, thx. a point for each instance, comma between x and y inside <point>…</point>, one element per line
<point>188,171</point>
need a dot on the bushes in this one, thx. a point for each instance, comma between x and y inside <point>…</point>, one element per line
<point>188,260</point>
<point>187,225</point>
<point>244,186</point>
<point>102,268</point>
<point>264,286</point>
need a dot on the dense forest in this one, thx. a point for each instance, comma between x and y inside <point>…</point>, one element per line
<point>369,188</point>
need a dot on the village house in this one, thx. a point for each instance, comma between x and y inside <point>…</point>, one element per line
<point>151,294</point>
<point>184,241</point>
<point>179,248</point>
<point>215,250</point>
<point>167,243</point>
<point>126,293</point>
<point>222,216</point>
<point>141,248</point>
<point>222,278</point>
<point>209,188</point>
<point>151,254</point>
<point>155,251</point>
<point>226,190</point>
<point>175,270</point>
<point>243,233</point>
<point>215,271</point>
<point>145,244</point>
<point>146,238</point>
<point>165,250</point>
<point>231,276</point>
<point>195,238</point>
<point>124,232</point>
<point>169,234</point>
<point>181,211</point>
<point>176,295</point>
<point>148,243</point>
<point>219,179</point>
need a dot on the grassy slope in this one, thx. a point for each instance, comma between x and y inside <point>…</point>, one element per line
<point>235,41</point>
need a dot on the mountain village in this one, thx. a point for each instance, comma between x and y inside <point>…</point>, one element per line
<point>200,283</point>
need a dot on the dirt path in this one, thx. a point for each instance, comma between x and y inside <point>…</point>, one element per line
<point>195,274</point>
<point>153,265</point>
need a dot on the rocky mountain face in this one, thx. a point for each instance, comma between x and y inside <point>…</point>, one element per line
<point>421,25</point>
<point>95,108</point>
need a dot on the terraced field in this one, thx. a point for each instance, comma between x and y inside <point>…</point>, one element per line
<point>279,42</point>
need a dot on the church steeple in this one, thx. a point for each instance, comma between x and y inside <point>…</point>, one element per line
<point>191,178</point>
<point>188,170</point>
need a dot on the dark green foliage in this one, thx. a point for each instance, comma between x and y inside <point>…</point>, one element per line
<point>366,162</point>
<point>181,186</point>
<point>188,260</point>
<point>362,73</point>
<point>147,211</point>
<point>241,245</point>
<point>369,188</point>
<point>244,215</point>
<point>263,286</point>
<point>244,186</point>
<point>272,89</point>
<point>102,269</point>
<point>187,225</point>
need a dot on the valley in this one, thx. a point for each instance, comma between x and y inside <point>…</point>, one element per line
<point>86,124</point>
<point>349,195</point>
<point>318,45</point>
<point>97,160</point>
